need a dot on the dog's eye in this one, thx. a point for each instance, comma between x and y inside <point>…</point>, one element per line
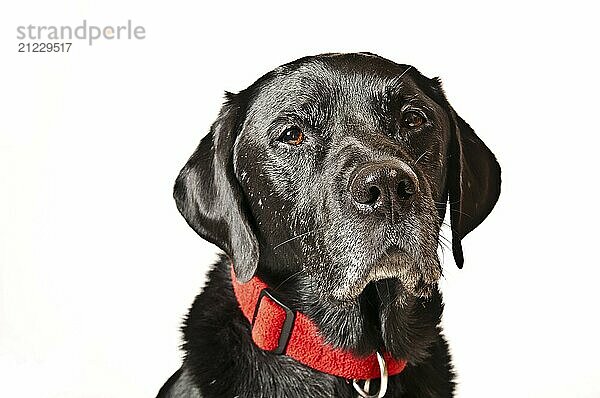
<point>412,119</point>
<point>292,136</point>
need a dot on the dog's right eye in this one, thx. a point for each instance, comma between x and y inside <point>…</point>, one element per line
<point>292,136</point>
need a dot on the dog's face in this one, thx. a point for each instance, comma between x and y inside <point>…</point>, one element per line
<point>338,167</point>
<point>344,159</point>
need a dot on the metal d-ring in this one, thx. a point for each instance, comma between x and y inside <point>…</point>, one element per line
<point>383,375</point>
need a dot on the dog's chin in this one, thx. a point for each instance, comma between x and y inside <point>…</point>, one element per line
<point>395,268</point>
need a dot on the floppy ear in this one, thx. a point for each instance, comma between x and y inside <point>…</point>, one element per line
<point>473,182</point>
<point>209,196</point>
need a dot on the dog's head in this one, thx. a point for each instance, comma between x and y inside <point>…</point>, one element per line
<point>339,167</point>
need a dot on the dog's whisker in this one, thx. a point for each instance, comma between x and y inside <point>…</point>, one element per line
<point>289,278</point>
<point>444,245</point>
<point>378,293</point>
<point>460,212</point>
<point>297,237</point>
<point>398,79</point>
<point>445,242</point>
<point>419,158</point>
<point>449,226</point>
<point>444,238</point>
<point>443,203</point>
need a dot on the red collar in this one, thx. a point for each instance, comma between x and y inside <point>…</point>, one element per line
<point>278,329</point>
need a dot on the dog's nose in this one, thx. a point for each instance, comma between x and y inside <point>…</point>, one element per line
<point>383,185</point>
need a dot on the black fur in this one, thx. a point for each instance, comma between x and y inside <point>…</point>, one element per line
<point>367,276</point>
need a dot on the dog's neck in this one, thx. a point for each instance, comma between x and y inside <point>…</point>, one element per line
<point>281,330</point>
<point>383,318</point>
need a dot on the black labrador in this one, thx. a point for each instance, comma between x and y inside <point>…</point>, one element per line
<point>328,178</point>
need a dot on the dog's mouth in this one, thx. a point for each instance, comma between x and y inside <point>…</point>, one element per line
<point>396,268</point>
<point>374,296</point>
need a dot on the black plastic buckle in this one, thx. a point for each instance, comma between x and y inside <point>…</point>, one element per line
<point>288,324</point>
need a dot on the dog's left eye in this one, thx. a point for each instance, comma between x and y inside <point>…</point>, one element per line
<point>292,136</point>
<point>412,119</point>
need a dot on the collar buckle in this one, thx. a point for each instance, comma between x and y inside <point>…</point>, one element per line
<point>288,323</point>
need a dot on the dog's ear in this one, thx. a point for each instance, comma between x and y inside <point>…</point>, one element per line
<point>210,198</point>
<point>473,182</point>
<point>473,179</point>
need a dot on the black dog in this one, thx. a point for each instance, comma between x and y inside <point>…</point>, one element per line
<point>328,179</point>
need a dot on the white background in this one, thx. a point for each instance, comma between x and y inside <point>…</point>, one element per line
<point>97,267</point>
